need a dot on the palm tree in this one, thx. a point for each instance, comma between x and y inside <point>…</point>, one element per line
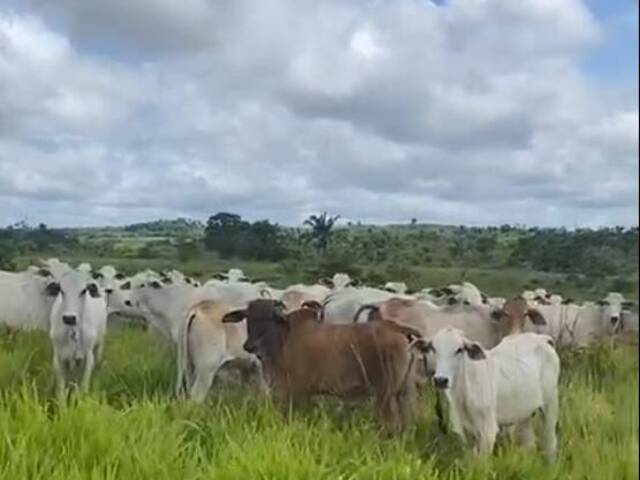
<point>321,229</point>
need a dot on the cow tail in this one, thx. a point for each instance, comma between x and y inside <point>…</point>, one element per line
<point>184,358</point>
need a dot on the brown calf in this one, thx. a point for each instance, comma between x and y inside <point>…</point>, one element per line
<point>301,358</point>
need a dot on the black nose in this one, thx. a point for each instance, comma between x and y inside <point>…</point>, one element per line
<point>250,347</point>
<point>128,303</point>
<point>440,382</point>
<point>69,319</point>
<point>108,291</point>
<point>614,320</point>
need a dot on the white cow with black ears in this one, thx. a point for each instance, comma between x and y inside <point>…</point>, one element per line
<point>504,386</point>
<point>77,326</point>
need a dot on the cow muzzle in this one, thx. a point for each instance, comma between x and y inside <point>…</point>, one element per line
<point>441,382</point>
<point>250,347</point>
<point>70,320</point>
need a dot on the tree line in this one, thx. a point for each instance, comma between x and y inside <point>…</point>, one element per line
<point>321,241</point>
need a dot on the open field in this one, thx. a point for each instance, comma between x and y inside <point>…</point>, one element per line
<point>129,427</point>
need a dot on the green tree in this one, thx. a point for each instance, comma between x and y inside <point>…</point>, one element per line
<point>321,229</point>
<point>224,232</point>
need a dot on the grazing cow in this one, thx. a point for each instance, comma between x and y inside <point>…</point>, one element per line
<point>77,326</point>
<point>23,301</point>
<point>302,357</point>
<point>206,345</point>
<point>295,295</point>
<point>504,386</point>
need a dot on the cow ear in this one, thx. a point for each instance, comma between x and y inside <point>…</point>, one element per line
<point>422,345</point>
<point>96,275</point>
<point>166,280</point>
<point>628,304</point>
<point>52,289</point>
<point>219,276</point>
<point>126,285</point>
<point>567,301</point>
<point>602,303</point>
<point>92,288</point>
<point>475,351</point>
<point>119,276</point>
<point>235,316</point>
<point>355,282</point>
<point>536,317</point>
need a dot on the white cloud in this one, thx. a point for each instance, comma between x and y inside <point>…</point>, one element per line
<point>475,111</point>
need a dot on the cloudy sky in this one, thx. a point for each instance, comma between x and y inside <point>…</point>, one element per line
<point>451,111</point>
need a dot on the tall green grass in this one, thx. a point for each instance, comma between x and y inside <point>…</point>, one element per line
<point>130,428</point>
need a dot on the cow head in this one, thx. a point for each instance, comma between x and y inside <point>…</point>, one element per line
<point>267,328</point>
<point>511,318</point>
<point>611,307</point>
<point>449,347</point>
<point>72,290</point>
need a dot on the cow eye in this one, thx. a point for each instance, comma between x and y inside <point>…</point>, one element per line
<point>459,351</point>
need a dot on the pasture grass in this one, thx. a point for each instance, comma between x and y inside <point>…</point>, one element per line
<point>129,427</point>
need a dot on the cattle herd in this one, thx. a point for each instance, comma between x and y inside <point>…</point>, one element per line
<point>493,361</point>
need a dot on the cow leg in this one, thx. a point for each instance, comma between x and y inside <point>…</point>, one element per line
<point>89,362</point>
<point>486,440</point>
<point>60,370</point>
<point>550,441</point>
<point>406,402</point>
<point>99,349</point>
<point>525,434</point>
<point>204,374</point>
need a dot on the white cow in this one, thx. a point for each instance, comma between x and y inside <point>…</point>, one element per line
<point>489,389</point>
<point>23,300</point>
<point>108,278</point>
<point>206,344</point>
<point>56,267</point>
<point>77,326</point>
<point>295,295</point>
<point>84,267</point>
<point>582,325</point>
<point>341,306</point>
<point>396,287</point>
<point>233,275</point>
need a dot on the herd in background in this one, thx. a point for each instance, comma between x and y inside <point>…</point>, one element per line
<point>493,360</point>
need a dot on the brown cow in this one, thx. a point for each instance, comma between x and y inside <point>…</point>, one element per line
<point>513,316</point>
<point>302,357</point>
